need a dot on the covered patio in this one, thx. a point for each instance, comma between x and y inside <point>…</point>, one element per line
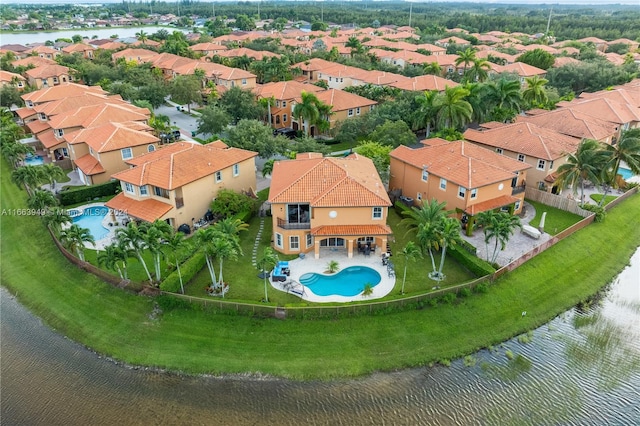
<point>504,201</point>
<point>350,239</point>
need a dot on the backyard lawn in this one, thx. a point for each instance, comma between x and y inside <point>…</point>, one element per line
<point>556,221</point>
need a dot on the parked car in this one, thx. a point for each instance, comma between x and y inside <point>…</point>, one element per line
<point>287,132</point>
<point>172,136</point>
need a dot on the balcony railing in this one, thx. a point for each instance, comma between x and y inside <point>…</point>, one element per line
<point>517,189</point>
<point>179,203</point>
<point>293,225</point>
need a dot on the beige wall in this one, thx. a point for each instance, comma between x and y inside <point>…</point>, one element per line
<point>38,82</point>
<point>249,84</point>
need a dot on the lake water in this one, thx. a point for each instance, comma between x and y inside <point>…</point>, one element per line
<point>583,368</point>
<point>102,33</point>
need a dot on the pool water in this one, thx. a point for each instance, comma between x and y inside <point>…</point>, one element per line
<point>625,173</point>
<point>91,218</point>
<point>348,282</point>
<point>35,160</point>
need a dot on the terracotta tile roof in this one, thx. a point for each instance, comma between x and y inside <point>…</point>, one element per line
<point>74,102</point>
<point>492,204</point>
<point>94,115</point>
<point>159,153</point>
<point>341,100</point>
<point>564,60</point>
<point>44,49</point>
<point>335,230</point>
<point>113,136</point>
<point>573,123</point>
<point>174,168</point>
<point>526,138</point>
<point>620,95</point>
<point>46,71</point>
<point>442,60</point>
<point>425,82</point>
<point>89,165</point>
<point>460,162</point>
<point>78,47</point>
<point>250,53</point>
<point>328,182</point>
<point>138,55</point>
<point>148,210</point>
<point>25,112</point>
<point>49,140</point>
<point>60,91</point>
<point>285,90</point>
<point>38,126</point>
<point>604,109</point>
<point>113,45</point>
<point>9,76</point>
<point>523,70</point>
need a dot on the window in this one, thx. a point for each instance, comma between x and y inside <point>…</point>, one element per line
<point>129,188</point>
<point>462,191</point>
<point>541,164</point>
<point>30,104</point>
<point>419,196</point>
<point>277,104</point>
<point>244,81</point>
<point>517,206</point>
<point>342,80</point>
<point>144,190</point>
<point>329,78</point>
<point>277,119</point>
<point>425,175</point>
<point>499,151</point>
<point>126,153</point>
<point>278,240</point>
<point>151,148</point>
<point>474,193</point>
<point>284,118</point>
<point>160,192</point>
<point>521,157</point>
<point>294,242</point>
<point>299,213</point>
<point>43,116</point>
<point>350,113</point>
<point>377,212</point>
<point>59,132</point>
<point>551,165</point>
<point>218,176</point>
<point>44,82</point>
<point>309,240</point>
<point>236,169</point>
<point>91,151</point>
<point>443,184</point>
<point>284,104</point>
<point>55,80</point>
<point>358,111</point>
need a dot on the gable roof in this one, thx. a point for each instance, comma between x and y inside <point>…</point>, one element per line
<point>94,115</point>
<point>60,91</point>
<point>525,138</point>
<point>46,71</point>
<point>341,100</point>
<point>113,136</point>
<point>285,90</point>
<point>573,123</point>
<point>523,70</point>
<point>36,61</point>
<point>605,109</point>
<point>181,163</point>
<point>328,182</point>
<point>425,82</point>
<point>460,162</point>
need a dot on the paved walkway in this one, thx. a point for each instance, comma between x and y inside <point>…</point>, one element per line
<point>74,181</point>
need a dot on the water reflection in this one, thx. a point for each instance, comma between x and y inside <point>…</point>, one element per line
<point>582,368</point>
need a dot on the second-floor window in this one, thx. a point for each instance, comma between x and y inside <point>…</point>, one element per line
<point>474,193</point>
<point>144,190</point>
<point>284,104</point>
<point>521,157</point>
<point>425,176</point>
<point>218,176</point>
<point>236,169</point>
<point>350,113</point>
<point>160,192</point>
<point>541,164</point>
<point>377,213</point>
<point>127,153</point>
<point>358,111</point>
<point>551,165</point>
<point>43,116</point>
<point>284,118</point>
<point>129,188</point>
<point>59,132</point>
<point>499,151</point>
<point>462,191</point>
<point>443,184</point>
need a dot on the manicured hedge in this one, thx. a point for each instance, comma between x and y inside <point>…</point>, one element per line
<point>189,269</point>
<point>468,247</point>
<point>88,193</point>
<point>244,216</point>
<point>473,263</point>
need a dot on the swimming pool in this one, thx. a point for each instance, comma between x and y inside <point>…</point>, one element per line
<point>626,173</point>
<point>34,160</point>
<point>91,218</point>
<point>348,282</point>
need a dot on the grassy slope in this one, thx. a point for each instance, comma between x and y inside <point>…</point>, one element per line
<point>117,324</point>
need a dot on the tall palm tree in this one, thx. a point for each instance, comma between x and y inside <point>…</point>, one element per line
<point>52,173</point>
<point>42,200</point>
<point>587,164</point>
<point>498,227</point>
<point>225,247</point>
<point>410,252</point>
<point>74,239</point>
<point>425,115</point>
<point>354,44</point>
<point>626,150</point>
<point>204,240</point>
<point>424,222</point>
<point>15,151</point>
<point>177,243</point>
<point>453,109</point>
<point>505,94</point>
<point>487,220</point>
<point>131,237</point>
<point>449,233</point>
<point>307,110</point>
<point>142,36</point>
<point>109,258</point>
<point>432,68</point>
<point>153,238</point>
<point>266,262</point>
<point>324,112</point>
<point>535,94</point>
<point>479,70</point>
<point>465,57</point>
<point>27,175</point>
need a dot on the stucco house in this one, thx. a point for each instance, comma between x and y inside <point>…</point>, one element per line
<point>48,75</point>
<point>328,204</point>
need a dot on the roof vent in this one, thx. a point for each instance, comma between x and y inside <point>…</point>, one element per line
<point>209,164</point>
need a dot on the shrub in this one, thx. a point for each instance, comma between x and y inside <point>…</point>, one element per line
<point>474,264</point>
<point>464,292</point>
<point>189,269</point>
<point>600,212</point>
<point>401,207</point>
<point>88,193</point>
<point>481,288</point>
<point>244,216</point>
<point>448,298</point>
<point>229,203</point>
<point>468,247</point>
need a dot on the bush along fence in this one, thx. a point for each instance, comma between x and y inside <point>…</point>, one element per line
<point>82,194</point>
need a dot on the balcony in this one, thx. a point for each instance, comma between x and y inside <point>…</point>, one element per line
<point>179,203</point>
<point>293,225</point>
<point>517,189</point>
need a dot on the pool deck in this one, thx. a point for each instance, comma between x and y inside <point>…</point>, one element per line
<point>299,267</point>
<point>102,243</point>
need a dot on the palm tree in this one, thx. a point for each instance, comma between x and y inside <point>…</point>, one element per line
<point>626,150</point>
<point>535,94</point>
<point>142,36</point>
<point>487,220</point>
<point>51,173</point>
<point>266,262</point>
<point>307,110</point>
<point>204,240</point>
<point>42,200</point>
<point>177,243</point>
<point>324,112</point>
<point>449,233</point>
<point>479,70</point>
<point>453,109</point>
<point>225,247</point>
<point>432,68</point>
<point>109,258</point>
<point>267,169</point>
<point>425,115</point>
<point>410,252</point>
<point>354,44</point>
<point>231,226</point>
<point>498,227</point>
<point>466,57</point>
<point>30,176</point>
<point>506,94</point>
<point>14,151</point>
<point>74,239</point>
<point>131,237</point>
<point>153,238</point>
<point>587,164</point>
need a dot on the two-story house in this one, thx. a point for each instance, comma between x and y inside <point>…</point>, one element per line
<point>325,203</point>
<point>12,79</point>
<point>178,182</point>
<point>345,105</point>
<point>543,149</point>
<point>86,50</point>
<point>101,151</point>
<point>48,75</point>
<point>468,178</point>
<point>284,94</point>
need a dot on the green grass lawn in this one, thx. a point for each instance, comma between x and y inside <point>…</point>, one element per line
<point>556,221</point>
<point>120,325</point>
<point>598,197</point>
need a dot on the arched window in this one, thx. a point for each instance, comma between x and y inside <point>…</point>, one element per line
<point>151,148</point>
